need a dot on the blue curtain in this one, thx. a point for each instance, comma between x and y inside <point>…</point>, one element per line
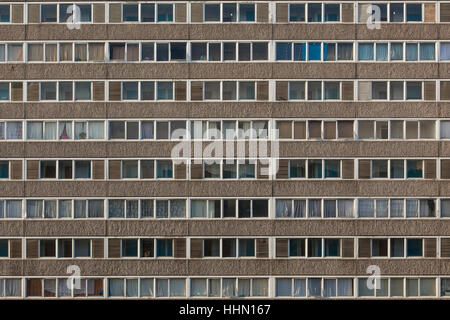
<point>412,52</point>
<point>365,51</point>
<point>427,51</point>
<point>314,51</point>
<point>382,51</point>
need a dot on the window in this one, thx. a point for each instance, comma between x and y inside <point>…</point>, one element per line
<point>4,13</point>
<point>82,169</point>
<point>164,247</point>
<point>130,169</point>
<point>246,12</point>
<point>314,248</point>
<point>147,12</point>
<point>129,90</point>
<point>130,12</point>
<point>379,90</point>
<point>314,51</point>
<point>314,12</point>
<point>66,10</point>
<point>297,169</point>
<point>314,90</point>
<point>4,91</point>
<point>15,52</point>
<point>129,248</point>
<point>365,52</point>
<point>296,12</point>
<point>396,12</point>
<point>297,248</point>
<point>413,247</point>
<point>82,248</point>
<point>332,247</point>
<point>147,90</point>
<point>82,91</point>
<point>414,169</point>
<point>165,12</point>
<point>48,169</point>
<point>413,12</point>
<point>315,169</point>
<point>332,12</point>
<point>283,51</point>
<point>413,90</point>
<point>164,91</point>
<point>396,51</point>
<point>48,13</point>
<point>47,248</point>
<point>445,51</point>
<point>164,169</point>
<point>332,168</point>
<point>211,12</point>
<point>229,12</point>
<point>48,90</point>
<point>379,168</point>
<point>246,247</point>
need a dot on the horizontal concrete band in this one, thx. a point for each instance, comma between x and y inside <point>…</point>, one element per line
<point>225,267</point>
<point>254,70</point>
<point>163,149</point>
<point>111,110</point>
<point>219,228</point>
<point>257,188</point>
<point>208,31</point>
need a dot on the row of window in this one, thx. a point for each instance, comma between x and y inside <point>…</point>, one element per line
<point>229,287</point>
<point>224,129</point>
<point>228,169</point>
<point>299,247</point>
<point>226,208</point>
<point>228,12</point>
<point>224,51</point>
<point>243,90</point>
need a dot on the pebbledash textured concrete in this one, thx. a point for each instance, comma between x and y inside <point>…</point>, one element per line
<point>322,132</point>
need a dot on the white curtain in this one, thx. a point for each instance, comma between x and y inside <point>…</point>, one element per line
<point>146,287</point>
<point>95,209</point>
<point>96,129</point>
<point>147,129</point>
<point>177,287</point>
<point>365,208</point>
<point>132,209</point>
<point>283,208</point>
<point>445,129</point>
<point>244,287</point>
<point>34,130</point>
<point>13,287</point>
<point>198,208</point>
<point>329,287</point>
<point>147,208</point>
<point>198,287</point>
<point>299,287</point>
<point>13,209</point>
<point>244,131</point>
<point>115,287</point>
<point>329,209</point>
<point>259,288</point>
<point>445,51</point>
<point>177,208</point>
<point>162,287</point>
<point>345,208</point>
<point>314,207</point>
<point>427,208</point>
<point>14,130</point>
<point>50,131</point>
<point>283,287</point>
<point>79,208</point>
<point>314,287</point>
<point>428,287</point>
<point>65,208</point>
<point>65,130</point>
<point>80,130</point>
<point>345,287</point>
<point>50,209</point>
<point>299,208</point>
<point>382,208</point>
<point>162,208</point>
<point>34,208</point>
<point>214,288</point>
<point>396,208</point>
<point>396,51</point>
<point>116,208</point>
<point>412,207</point>
<point>228,287</point>
<point>132,287</point>
<point>214,130</point>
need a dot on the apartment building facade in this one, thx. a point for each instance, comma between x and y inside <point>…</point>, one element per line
<point>349,99</point>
